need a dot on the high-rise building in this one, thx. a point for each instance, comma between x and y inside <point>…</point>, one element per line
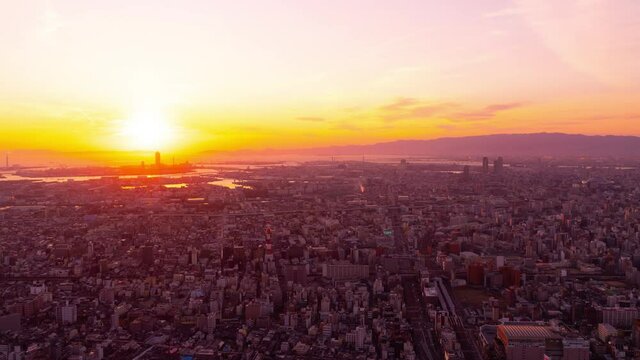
<point>498,165</point>
<point>158,163</point>
<point>361,336</point>
<point>268,250</point>
<point>90,249</point>
<point>193,255</point>
<point>485,165</point>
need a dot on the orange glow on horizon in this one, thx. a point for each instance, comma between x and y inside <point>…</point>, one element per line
<point>228,76</point>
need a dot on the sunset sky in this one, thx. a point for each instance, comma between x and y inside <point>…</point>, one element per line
<point>188,76</point>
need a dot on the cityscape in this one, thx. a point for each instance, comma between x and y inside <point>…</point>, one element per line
<point>348,259</point>
<point>319,180</point>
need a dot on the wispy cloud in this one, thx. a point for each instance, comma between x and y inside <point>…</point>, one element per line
<point>406,108</point>
<point>400,104</point>
<point>411,108</point>
<point>487,112</point>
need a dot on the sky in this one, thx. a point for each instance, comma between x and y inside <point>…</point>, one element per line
<point>190,76</point>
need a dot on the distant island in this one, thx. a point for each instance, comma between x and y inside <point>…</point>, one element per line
<point>109,171</point>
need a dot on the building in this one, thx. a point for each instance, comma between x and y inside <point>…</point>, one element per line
<point>67,313</point>
<point>193,255</point>
<point>522,342</point>
<point>475,274</point>
<point>620,316</point>
<point>345,271</point>
<point>90,249</point>
<point>158,163</point>
<point>605,331</point>
<point>575,349</point>
<point>296,273</point>
<point>498,164</point>
<point>485,165</point>
<point>536,341</point>
<point>361,336</point>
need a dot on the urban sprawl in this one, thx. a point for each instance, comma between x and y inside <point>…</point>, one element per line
<point>499,259</point>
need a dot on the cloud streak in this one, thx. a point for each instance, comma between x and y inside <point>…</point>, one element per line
<point>487,112</point>
<point>414,109</point>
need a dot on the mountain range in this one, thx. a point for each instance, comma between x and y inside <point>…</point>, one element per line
<point>522,145</point>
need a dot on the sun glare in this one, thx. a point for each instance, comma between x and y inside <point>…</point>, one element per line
<point>147,130</point>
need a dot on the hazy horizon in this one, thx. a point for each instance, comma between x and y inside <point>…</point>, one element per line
<point>510,145</point>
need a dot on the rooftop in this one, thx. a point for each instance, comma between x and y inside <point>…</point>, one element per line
<point>526,332</point>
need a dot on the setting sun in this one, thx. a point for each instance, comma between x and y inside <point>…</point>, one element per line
<point>146,129</point>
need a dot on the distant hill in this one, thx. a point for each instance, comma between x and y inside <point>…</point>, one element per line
<point>539,144</point>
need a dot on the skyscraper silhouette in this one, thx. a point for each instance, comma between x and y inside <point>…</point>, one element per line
<point>498,164</point>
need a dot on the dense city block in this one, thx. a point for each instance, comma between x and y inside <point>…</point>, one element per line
<point>497,259</point>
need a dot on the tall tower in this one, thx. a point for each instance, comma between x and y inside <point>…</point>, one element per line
<point>158,159</point>
<point>485,165</point>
